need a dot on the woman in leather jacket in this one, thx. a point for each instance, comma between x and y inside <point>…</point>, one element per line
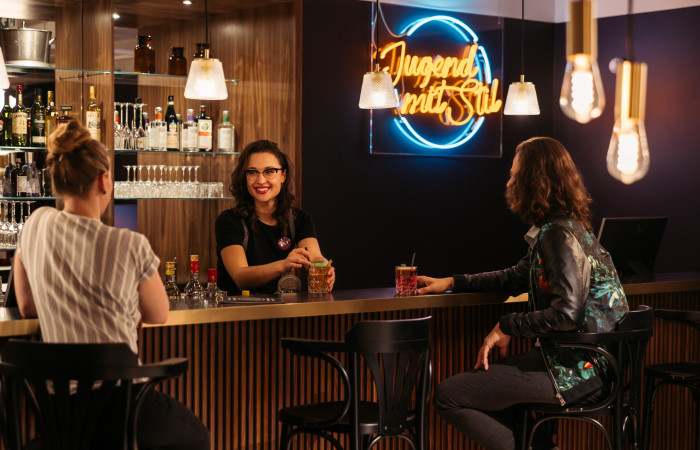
<point>572,286</point>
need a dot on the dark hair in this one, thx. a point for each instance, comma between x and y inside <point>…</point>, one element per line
<point>75,160</point>
<point>546,184</point>
<point>243,203</point>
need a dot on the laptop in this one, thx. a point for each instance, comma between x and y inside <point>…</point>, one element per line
<point>633,243</point>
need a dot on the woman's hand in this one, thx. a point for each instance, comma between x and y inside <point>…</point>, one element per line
<point>496,338</point>
<point>434,285</point>
<point>296,259</point>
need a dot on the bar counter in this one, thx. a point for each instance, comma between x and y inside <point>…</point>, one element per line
<point>239,376</point>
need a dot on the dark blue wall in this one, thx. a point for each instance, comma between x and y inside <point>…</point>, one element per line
<point>373,212</point>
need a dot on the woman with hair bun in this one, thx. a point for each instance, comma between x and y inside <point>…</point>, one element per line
<point>90,282</point>
<point>572,286</point>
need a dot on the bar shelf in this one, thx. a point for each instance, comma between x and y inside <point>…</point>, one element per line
<point>179,152</point>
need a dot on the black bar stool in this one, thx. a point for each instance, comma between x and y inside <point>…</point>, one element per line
<point>685,374</point>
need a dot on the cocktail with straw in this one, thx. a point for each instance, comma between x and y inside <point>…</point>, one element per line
<point>318,277</point>
<point>406,278</point>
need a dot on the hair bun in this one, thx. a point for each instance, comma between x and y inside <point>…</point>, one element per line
<point>67,137</point>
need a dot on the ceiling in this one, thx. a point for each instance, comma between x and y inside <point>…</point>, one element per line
<point>152,11</point>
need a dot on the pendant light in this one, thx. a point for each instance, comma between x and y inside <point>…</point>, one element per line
<point>582,97</point>
<point>377,88</point>
<point>628,154</point>
<point>522,97</point>
<point>4,79</point>
<point>206,78</point>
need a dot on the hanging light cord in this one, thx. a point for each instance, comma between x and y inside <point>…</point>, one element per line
<point>376,36</point>
<point>522,40</point>
<point>628,38</point>
<point>206,22</point>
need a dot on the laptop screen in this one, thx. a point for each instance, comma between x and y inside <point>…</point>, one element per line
<point>633,243</point>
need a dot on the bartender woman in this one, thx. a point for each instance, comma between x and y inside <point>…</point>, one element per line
<point>263,236</point>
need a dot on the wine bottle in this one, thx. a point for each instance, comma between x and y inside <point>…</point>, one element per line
<point>38,121</point>
<point>172,125</point>
<point>6,122</point>
<point>93,116</point>
<point>51,114</point>
<point>20,121</point>
<point>7,177</point>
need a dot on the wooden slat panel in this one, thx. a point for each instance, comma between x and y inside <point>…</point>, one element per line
<point>239,376</point>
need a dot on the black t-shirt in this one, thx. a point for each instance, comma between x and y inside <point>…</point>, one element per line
<point>262,247</point>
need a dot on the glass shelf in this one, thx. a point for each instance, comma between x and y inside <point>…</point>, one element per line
<point>172,198</point>
<point>27,199</point>
<point>19,69</point>
<point>16,149</point>
<point>144,78</point>
<point>131,151</point>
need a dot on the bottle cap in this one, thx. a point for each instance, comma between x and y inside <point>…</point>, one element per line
<point>170,98</point>
<point>211,275</point>
<point>170,265</point>
<point>194,257</point>
<point>245,293</point>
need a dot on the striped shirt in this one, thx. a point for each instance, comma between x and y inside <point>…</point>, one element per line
<point>84,277</point>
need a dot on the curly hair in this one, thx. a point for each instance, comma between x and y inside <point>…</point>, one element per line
<point>545,184</point>
<point>74,159</point>
<point>243,202</point>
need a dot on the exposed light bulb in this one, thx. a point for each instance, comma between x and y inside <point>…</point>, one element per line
<point>628,154</point>
<point>582,97</point>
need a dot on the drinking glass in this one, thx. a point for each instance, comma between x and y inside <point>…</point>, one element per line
<point>406,280</point>
<point>318,277</point>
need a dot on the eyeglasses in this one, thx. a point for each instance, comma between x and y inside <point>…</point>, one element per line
<point>268,173</point>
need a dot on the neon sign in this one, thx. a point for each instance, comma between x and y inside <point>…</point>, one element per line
<point>444,99</point>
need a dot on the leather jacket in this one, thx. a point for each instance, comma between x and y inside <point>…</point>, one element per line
<point>572,285</point>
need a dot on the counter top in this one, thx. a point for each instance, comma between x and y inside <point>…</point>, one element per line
<point>345,302</point>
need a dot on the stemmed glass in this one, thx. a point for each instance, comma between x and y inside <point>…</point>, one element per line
<point>5,227</point>
<point>13,230</point>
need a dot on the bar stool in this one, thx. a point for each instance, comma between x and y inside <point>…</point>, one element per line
<point>685,374</point>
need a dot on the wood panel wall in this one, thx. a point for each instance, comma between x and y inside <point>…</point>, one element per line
<point>239,376</point>
<point>257,46</point>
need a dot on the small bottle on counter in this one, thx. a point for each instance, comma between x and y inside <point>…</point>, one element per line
<point>212,288</point>
<point>171,284</point>
<point>193,290</point>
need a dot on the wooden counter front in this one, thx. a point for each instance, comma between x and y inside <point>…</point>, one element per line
<point>239,376</point>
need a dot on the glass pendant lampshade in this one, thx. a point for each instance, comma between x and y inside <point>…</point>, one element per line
<point>206,79</point>
<point>521,99</point>
<point>582,97</point>
<point>378,91</point>
<point>4,79</point>
<point>628,154</point>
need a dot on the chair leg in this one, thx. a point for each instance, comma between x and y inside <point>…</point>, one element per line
<point>649,395</point>
<point>697,420</point>
<point>284,436</point>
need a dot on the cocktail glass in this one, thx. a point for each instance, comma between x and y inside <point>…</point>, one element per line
<point>406,280</point>
<point>318,277</point>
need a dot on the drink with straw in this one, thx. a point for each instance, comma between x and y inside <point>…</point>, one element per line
<point>406,279</point>
<point>318,277</point>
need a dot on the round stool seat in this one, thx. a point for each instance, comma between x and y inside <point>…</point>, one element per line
<point>680,371</point>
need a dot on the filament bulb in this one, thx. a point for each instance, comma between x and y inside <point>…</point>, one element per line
<point>628,154</point>
<point>582,97</point>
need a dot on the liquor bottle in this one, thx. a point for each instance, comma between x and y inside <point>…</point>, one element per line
<point>7,177</point>
<point>20,121</point>
<point>93,116</point>
<point>51,114</point>
<point>193,289</point>
<point>28,185</point>
<point>172,125</point>
<point>64,116</point>
<point>38,121</point>
<point>118,137</point>
<point>158,134</point>
<point>225,135</point>
<point>204,130</point>
<point>16,180</point>
<point>189,133</point>
<point>212,288</point>
<point>171,283</point>
<point>6,122</point>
